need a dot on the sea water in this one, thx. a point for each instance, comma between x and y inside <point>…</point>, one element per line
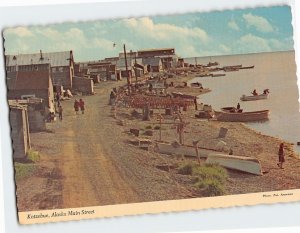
<point>275,71</point>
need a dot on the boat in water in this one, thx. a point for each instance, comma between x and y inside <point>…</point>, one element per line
<point>237,115</point>
<point>254,97</point>
<point>239,163</point>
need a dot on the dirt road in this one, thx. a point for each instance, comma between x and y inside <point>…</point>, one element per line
<point>86,162</point>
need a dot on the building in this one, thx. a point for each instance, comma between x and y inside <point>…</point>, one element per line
<point>83,85</point>
<point>32,81</point>
<point>167,55</point>
<point>156,52</point>
<point>154,64</point>
<point>105,69</point>
<point>62,65</point>
<point>36,112</point>
<point>20,136</point>
<point>121,68</point>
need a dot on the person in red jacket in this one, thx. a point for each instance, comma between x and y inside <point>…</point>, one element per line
<point>76,106</point>
<point>81,105</point>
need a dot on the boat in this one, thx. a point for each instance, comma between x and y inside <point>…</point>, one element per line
<point>181,95</point>
<point>254,97</point>
<point>185,150</point>
<point>197,85</point>
<point>233,115</point>
<point>247,67</point>
<point>240,163</point>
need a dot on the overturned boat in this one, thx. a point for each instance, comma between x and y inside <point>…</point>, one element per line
<point>239,163</point>
<point>234,115</point>
<point>254,97</point>
<point>185,150</point>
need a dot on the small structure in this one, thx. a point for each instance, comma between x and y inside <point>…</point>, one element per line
<point>154,64</point>
<point>18,118</point>
<point>84,85</point>
<point>36,112</point>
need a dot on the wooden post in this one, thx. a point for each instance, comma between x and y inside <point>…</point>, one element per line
<point>127,73</point>
<point>160,119</point>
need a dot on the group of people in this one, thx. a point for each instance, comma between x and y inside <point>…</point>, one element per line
<point>266,91</point>
<point>79,105</point>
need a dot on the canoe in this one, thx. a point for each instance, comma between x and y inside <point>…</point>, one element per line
<point>254,97</point>
<point>181,95</point>
<point>239,163</point>
<point>187,150</point>
<point>242,116</point>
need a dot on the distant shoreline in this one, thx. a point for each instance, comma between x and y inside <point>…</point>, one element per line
<point>241,54</point>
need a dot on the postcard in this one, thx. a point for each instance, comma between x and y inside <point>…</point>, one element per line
<point>153,114</point>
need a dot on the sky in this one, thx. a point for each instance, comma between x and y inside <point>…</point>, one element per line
<point>239,31</point>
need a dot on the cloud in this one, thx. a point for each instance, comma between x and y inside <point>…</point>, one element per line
<point>260,23</point>
<point>254,43</point>
<point>224,49</point>
<point>162,31</point>
<point>233,25</point>
<point>18,31</point>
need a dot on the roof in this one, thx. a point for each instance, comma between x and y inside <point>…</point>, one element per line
<point>54,58</point>
<point>121,63</point>
<point>152,61</point>
<point>153,50</point>
<point>36,80</point>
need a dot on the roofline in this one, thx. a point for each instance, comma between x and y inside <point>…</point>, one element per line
<point>69,51</point>
<point>152,50</point>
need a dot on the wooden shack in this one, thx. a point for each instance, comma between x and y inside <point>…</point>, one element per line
<point>20,136</point>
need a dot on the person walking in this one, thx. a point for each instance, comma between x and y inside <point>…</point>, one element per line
<point>60,112</point>
<point>195,103</point>
<point>76,106</point>
<point>280,156</point>
<point>81,105</point>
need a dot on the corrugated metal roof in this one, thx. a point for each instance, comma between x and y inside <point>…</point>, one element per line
<point>55,59</point>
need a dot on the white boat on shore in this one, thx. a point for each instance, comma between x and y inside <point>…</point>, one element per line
<point>229,114</point>
<point>185,150</point>
<point>254,97</point>
<point>239,163</point>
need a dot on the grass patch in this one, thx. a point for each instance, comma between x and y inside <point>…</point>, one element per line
<point>186,169</point>
<point>210,171</point>
<point>148,127</point>
<point>23,170</point>
<point>211,187</point>
<point>210,179</point>
<point>33,156</point>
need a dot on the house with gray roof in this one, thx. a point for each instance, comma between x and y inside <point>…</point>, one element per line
<point>62,65</point>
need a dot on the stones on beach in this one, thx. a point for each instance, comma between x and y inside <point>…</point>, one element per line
<point>222,133</point>
<point>148,133</point>
<point>135,132</point>
<point>221,146</point>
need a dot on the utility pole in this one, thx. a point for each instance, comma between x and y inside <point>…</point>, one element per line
<point>127,73</point>
<point>135,71</point>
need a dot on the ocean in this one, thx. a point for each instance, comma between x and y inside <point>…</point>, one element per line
<point>275,71</point>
